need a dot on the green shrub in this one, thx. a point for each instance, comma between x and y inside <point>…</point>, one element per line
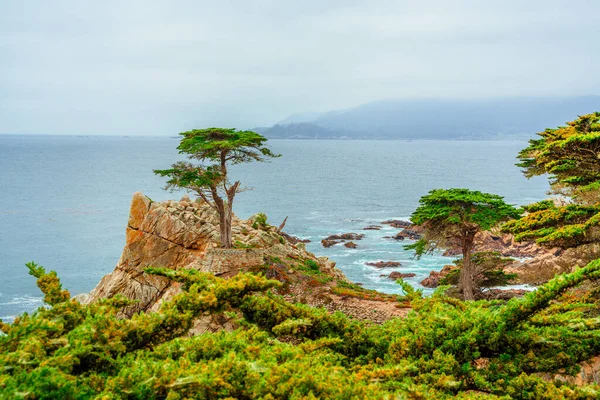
<point>446,348</point>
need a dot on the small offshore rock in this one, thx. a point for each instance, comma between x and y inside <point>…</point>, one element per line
<point>350,245</point>
<point>346,236</point>
<point>397,275</point>
<point>384,264</point>
<point>372,228</point>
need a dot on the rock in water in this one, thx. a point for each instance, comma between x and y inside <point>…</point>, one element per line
<point>397,223</point>
<point>397,275</point>
<point>384,264</point>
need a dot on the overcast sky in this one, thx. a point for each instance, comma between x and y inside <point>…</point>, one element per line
<point>160,67</point>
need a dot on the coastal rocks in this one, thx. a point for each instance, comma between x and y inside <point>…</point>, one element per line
<point>372,228</point>
<point>293,239</point>
<point>384,264</point>
<point>499,243</point>
<point>588,374</point>
<point>399,275</point>
<point>501,294</point>
<point>185,234</point>
<point>346,236</point>
<point>545,266</point>
<point>350,245</point>
<point>397,223</point>
<point>411,234</point>
<point>433,280</point>
<point>332,240</point>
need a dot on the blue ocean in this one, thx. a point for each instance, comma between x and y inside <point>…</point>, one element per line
<point>65,199</point>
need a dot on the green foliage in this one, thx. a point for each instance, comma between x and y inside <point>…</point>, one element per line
<point>259,221</point>
<point>410,293</point>
<point>212,144</point>
<point>215,149</point>
<point>312,265</point>
<point>444,349</point>
<point>489,271</point>
<point>453,217</point>
<point>462,206</point>
<point>449,214</point>
<point>569,154</point>
<point>350,289</point>
<point>564,226</point>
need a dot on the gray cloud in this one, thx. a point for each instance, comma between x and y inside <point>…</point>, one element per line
<point>159,67</point>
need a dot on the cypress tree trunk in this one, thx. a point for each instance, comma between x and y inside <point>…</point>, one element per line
<point>225,226</point>
<point>466,274</point>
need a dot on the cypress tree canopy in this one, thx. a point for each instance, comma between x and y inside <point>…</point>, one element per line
<point>447,212</point>
<point>570,155</point>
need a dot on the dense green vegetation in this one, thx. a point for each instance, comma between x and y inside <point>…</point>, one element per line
<point>488,270</point>
<point>215,149</point>
<point>455,216</point>
<point>570,155</point>
<point>445,348</point>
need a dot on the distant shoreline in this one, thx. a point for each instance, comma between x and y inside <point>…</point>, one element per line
<point>515,138</point>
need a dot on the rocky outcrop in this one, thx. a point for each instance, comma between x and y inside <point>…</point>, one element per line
<point>185,234</point>
<point>346,236</point>
<point>372,228</point>
<point>384,264</point>
<point>399,275</point>
<point>411,234</point>
<point>500,243</point>
<point>397,223</point>
<point>433,280</point>
<point>293,239</point>
<point>546,265</point>
<point>501,294</point>
<point>350,245</point>
<point>332,240</point>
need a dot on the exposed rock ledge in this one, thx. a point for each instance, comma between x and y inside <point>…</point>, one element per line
<point>185,234</point>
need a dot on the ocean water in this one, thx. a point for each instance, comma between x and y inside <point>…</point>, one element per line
<point>64,200</point>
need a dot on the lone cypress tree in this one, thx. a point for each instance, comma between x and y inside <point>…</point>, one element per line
<point>457,215</point>
<point>215,149</point>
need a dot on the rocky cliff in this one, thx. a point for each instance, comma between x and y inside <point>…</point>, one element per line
<point>185,234</point>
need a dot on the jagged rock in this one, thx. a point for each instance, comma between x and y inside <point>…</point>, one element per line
<point>384,264</point>
<point>406,233</point>
<point>350,245</point>
<point>293,239</point>
<point>544,266</point>
<point>329,243</point>
<point>502,294</point>
<point>433,280</point>
<point>346,236</point>
<point>372,228</point>
<point>171,235</point>
<point>397,275</point>
<point>397,223</point>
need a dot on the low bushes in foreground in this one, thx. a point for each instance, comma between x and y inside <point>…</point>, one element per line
<point>445,348</point>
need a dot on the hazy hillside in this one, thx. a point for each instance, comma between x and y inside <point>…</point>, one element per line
<point>438,119</point>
